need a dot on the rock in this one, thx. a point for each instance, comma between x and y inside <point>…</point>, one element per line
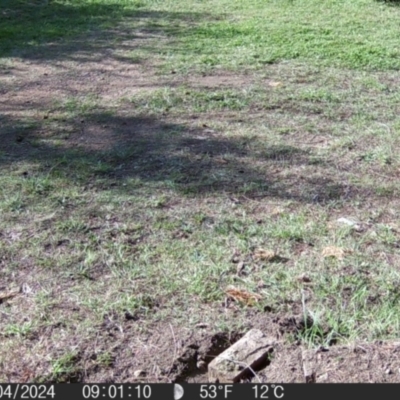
<point>240,268</point>
<point>138,373</point>
<point>346,221</point>
<point>240,361</point>
<point>324,378</point>
<point>353,224</point>
<point>201,365</point>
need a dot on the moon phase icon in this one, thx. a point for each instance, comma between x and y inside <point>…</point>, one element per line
<point>178,391</point>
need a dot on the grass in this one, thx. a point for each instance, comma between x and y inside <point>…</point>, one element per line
<point>30,24</point>
<point>261,124</point>
<point>340,33</point>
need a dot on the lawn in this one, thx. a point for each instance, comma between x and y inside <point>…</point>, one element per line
<point>174,173</point>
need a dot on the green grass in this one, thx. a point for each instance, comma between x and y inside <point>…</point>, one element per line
<point>127,211</point>
<point>340,33</point>
<point>352,34</point>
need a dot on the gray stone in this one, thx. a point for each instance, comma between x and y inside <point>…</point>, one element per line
<point>243,359</point>
<point>353,224</point>
<point>138,373</point>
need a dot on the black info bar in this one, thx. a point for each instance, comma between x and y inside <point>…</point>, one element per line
<point>176,391</point>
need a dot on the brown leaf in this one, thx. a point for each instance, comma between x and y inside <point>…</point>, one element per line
<point>243,296</point>
<point>274,84</point>
<point>265,255</point>
<point>277,210</point>
<point>333,251</point>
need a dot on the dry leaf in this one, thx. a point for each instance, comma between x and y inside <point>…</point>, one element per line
<point>274,84</point>
<point>243,296</point>
<point>265,255</point>
<point>333,251</point>
<point>277,210</point>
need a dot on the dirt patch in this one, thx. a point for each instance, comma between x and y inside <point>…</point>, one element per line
<point>358,363</point>
<point>126,348</point>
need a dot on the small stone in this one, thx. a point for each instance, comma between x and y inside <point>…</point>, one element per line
<point>201,365</point>
<point>388,371</point>
<point>354,225</point>
<point>323,378</point>
<point>240,268</point>
<point>138,373</point>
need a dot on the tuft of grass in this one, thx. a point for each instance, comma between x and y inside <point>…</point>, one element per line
<point>64,369</point>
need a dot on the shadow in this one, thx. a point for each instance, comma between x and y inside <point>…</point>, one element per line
<point>123,145</point>
<point>190,160</point>
<point>56,30</point>
<point>393,3</point>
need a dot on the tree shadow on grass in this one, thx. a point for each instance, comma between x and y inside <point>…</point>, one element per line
<point>393,3</point>
<point>190,160</point>
<point>49,30</point>
<point>120,146</point>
